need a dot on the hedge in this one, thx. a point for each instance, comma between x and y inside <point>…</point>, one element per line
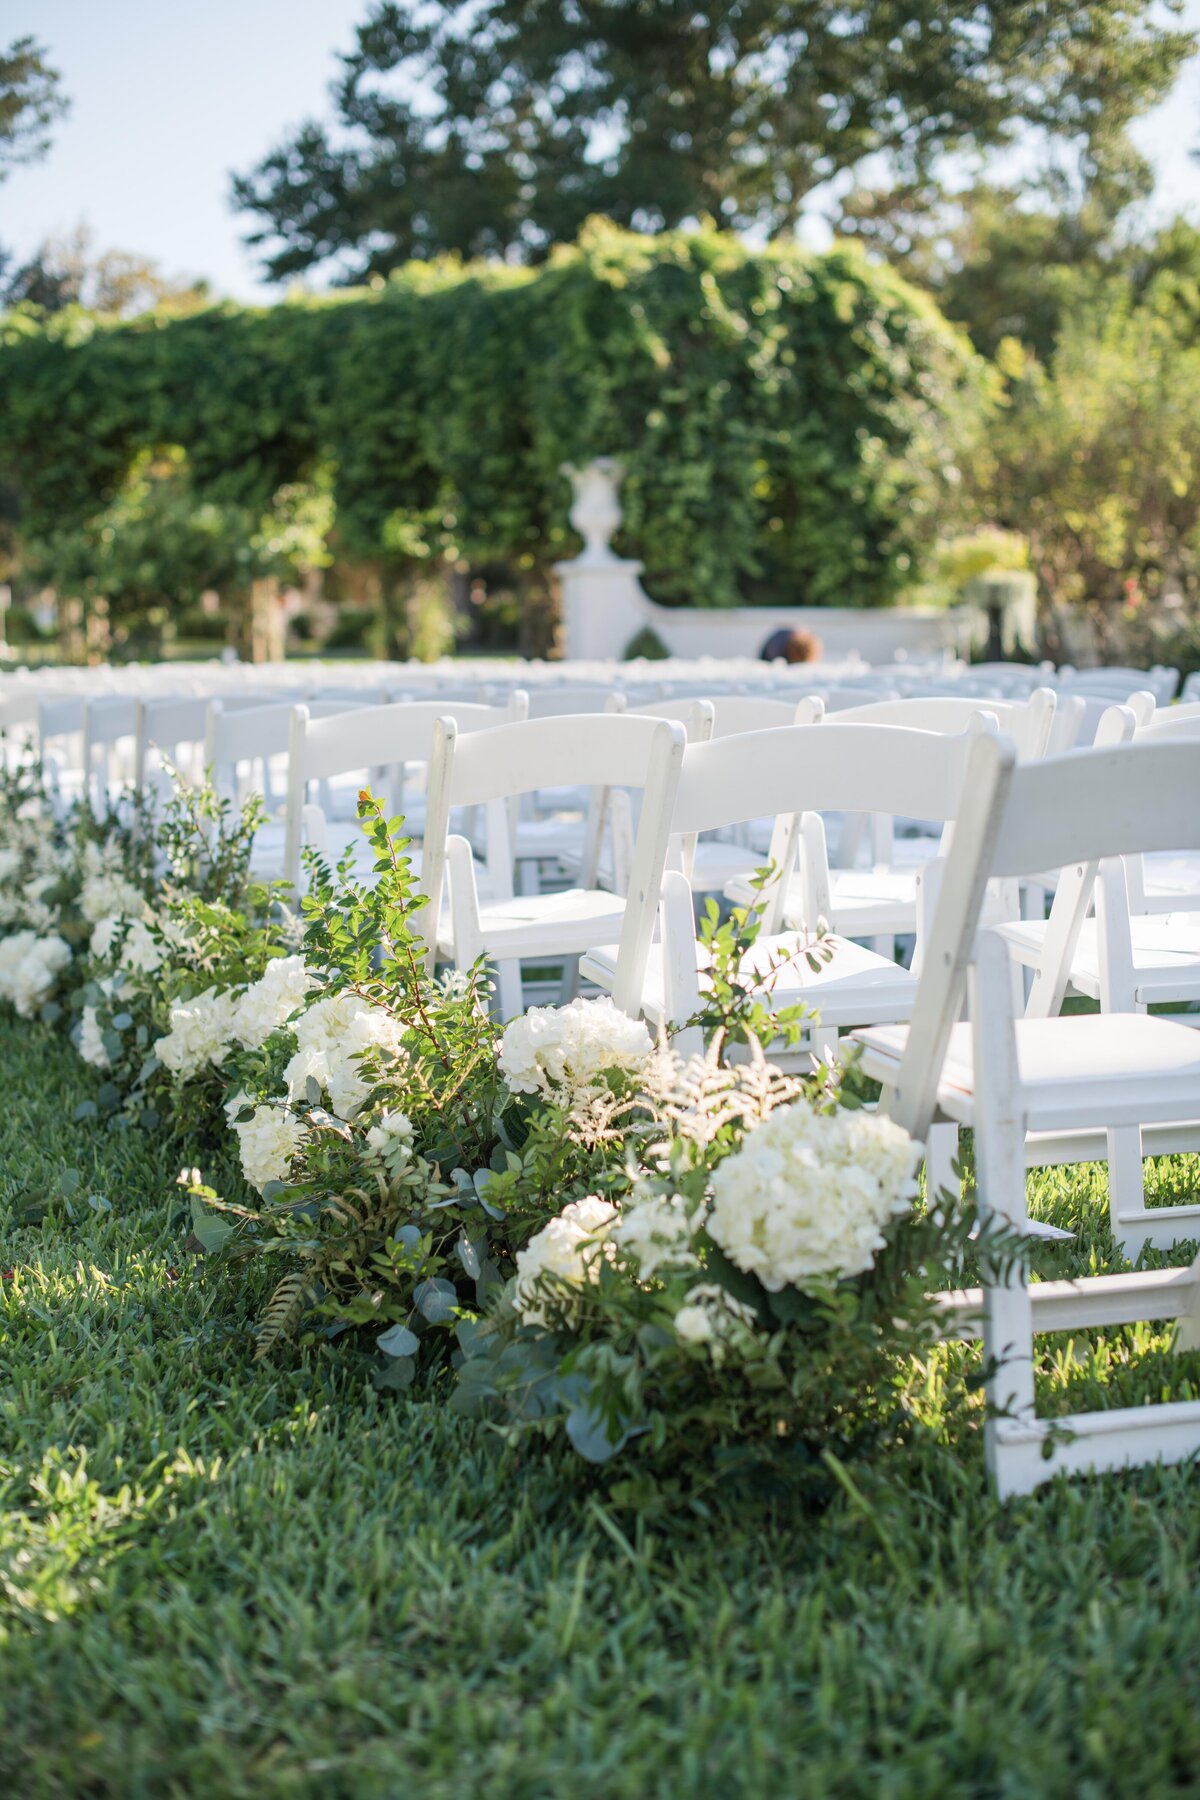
<point>788,420</point>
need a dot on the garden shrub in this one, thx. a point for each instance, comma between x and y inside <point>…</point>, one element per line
<point>789,422</point>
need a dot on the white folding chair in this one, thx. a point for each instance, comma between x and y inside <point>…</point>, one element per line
<point>108,722</point>
<point>1008,1077</point>
<point>386,740</point>
<point>879,903</point>
<point>788,770</point>
<point>587,751</point>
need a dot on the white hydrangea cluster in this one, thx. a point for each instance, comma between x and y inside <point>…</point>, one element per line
<point>565,1254</point>
<point>711,1316</point>
<point>29,969</point>
<point>91,1040</point>
<point>131,941</point>
<point>391,1139</point>
<point>38,912</point>
<point>199,1035</point>
<point>105,893</point>
<point>271,1000</point>
<point>105,933</point>
<point>330,1039</point>
<point>10,866</point>
<point>657,1230</point>
<point>808,1195</point>
<point>268,1141</point>
<point>141,952</point>
<point>564,1050</point>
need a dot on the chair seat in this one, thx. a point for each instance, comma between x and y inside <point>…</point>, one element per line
<point>528,925</point>
<point>1171,875</point>
<point>718,863</point>
<point>544,840</point>
<point>863,902</point>
<point>855,986</point>
<point>1166,955</point>
<point>1078,1072</point>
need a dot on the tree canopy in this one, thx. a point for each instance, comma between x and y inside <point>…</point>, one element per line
<point>30,101</point>
<point>498,127</point>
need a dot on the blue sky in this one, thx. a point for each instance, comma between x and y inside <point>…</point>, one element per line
<point>168,98</point>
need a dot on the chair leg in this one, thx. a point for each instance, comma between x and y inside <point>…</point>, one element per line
<point>510,995</point>
<point>1000,1184</point>
<point>941,1154</point>
<point>1134,1224</point>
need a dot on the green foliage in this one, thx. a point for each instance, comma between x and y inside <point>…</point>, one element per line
<point>388,1224</point>
<point>156,548</point>
<point>791,424</point>
<point>184,1534</point>
<point>1093,460</point>
<point>645,646</point>
<point>496,129</point>
<point>30,100</point>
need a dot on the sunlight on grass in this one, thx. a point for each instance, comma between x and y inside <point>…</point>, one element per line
<point>225,1579</point>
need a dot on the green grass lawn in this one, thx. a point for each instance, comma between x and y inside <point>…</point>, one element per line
<point>229,1580</point>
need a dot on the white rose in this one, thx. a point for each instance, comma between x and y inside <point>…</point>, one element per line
<point>693,1324</point>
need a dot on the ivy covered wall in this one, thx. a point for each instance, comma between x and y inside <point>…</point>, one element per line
<point>790,422</point>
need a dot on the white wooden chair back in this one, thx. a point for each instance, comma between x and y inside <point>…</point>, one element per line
<point>566,702</point>
<point>794,773</point>
<point>107,722</point>
<point>596,751</point>
<point>1074,811</point>
<point>18,726</point>
<point>384,740</point>
<point>1027,722</point>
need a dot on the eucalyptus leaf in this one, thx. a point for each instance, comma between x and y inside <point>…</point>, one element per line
<point>468,1256</point>
<point>212,1229</point>
<point>398,1340</point>
<point>436,1300</point>
<point>589,1435</point>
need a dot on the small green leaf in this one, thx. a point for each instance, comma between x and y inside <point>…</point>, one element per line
<point>398,1340</point>
<point>212,1230</point>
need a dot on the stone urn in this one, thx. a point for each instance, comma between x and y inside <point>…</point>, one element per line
<point>596,511</point>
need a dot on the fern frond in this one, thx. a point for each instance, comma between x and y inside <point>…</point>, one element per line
<point>282,1314</point>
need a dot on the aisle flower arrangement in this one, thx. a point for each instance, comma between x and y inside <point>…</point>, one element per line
<point>686,1268</point>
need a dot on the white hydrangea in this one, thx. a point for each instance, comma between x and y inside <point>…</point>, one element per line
<point>657,1230</point>
<point>199,1034</point>
<point>566,1049</point>
<point>10,866</point>
<point>268,1141</point>
<point>268,1002</point>
<point>29,969</point>
<point>141,952</point>
<point>91,1040</point>
<point>109,895</point>
<point>330,1039</point>
<point>808,1195</point>
<point>392,1138</point>
<point>567,1252</point>
<point>105,933</point>
<point>710,1315</point>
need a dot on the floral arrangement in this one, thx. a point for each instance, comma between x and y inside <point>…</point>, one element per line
<point>694,1270</point>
